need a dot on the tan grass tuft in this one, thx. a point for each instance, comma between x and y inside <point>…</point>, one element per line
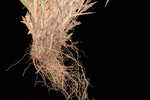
<point>49,21</point>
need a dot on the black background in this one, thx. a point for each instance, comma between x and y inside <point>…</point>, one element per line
<point>101,37</point>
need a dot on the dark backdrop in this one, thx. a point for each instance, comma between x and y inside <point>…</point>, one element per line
<point>98,40</point>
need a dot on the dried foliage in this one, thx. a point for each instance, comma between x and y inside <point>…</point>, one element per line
<point>49,21</point>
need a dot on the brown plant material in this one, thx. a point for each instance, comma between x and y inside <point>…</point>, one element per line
<point>49,21</point>
<point>107,1</point>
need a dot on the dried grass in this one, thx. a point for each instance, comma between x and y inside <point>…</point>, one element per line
<point>49,21</point>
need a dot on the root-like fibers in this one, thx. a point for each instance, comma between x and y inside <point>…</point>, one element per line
<point>49,21</point>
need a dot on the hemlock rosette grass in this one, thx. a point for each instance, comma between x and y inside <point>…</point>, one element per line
<point>48,22</point>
